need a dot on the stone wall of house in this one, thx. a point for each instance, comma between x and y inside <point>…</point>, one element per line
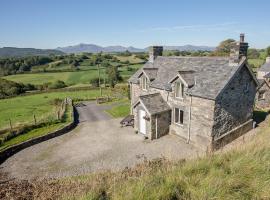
<point>136,91</point>
<point>202,115</point>
<point>160,124</point>
<point>234,106</point>
<point>264,102</point>
<point>202,120</point>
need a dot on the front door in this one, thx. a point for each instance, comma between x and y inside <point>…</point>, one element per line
<point>142,122</point>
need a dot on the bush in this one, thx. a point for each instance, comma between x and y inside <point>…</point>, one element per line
<point>94,82</point>
<point>129,69</point>
<point>57,85</point>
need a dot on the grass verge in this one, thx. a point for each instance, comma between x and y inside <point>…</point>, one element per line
<point>119,108</point>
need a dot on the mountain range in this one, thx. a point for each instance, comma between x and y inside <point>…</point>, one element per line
<point>93,48</point>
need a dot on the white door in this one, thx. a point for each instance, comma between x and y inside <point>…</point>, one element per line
<point>142,121</point>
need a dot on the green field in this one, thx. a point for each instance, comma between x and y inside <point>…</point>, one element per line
<point>131,59</point>
<point>21,109</point>
<point>256,62</point>
<point>70,78</point>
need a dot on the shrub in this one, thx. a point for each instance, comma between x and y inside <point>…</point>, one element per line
<point>94,82</point>
<point>57,85</point>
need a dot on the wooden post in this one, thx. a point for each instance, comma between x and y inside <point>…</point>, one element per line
<point>35,120</point>
<point>99,83</point>
<point>10,124</point>
<point>58,114</point>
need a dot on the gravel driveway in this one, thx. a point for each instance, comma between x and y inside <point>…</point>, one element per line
<point>92,146</point>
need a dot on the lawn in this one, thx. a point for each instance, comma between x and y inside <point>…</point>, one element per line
<point>120,109</point>
<point>21,109</point>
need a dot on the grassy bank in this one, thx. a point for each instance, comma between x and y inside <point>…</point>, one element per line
<point>40,130</point>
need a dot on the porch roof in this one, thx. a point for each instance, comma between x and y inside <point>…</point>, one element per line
<point>154,103</point>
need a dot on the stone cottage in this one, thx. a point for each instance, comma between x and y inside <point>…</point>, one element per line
<point>207,101</point>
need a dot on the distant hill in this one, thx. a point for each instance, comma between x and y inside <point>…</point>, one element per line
<point>92,48</point>
<point>22,52</point>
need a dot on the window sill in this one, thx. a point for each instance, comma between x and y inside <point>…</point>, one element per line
<point>181,125</point>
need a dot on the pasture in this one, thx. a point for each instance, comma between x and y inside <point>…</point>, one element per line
<point>20,110</point>
<point>70,78</point>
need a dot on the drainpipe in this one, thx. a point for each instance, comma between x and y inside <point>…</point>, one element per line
<point>156,128</point>
<point>189,119</point>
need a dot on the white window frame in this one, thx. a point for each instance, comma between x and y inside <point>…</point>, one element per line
<point>179,92</point>
<point>180,117</point>
<point>144,83</point>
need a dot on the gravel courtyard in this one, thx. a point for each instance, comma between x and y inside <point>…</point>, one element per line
<point>93,146</point>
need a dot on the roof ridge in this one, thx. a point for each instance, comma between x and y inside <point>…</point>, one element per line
<point>214,57</point>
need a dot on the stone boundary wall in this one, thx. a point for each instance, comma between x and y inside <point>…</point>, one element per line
<point>232,135</point>
<point>4,155</point>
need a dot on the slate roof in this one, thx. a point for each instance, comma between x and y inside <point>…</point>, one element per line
<point>265,67</point>
<point>151,73</point>
<point>211,73</point>
<point>154,103</point>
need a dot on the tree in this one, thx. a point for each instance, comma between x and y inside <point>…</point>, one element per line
<point>113,75</point>
<point>225,47</point>
<point>253,54</point>
<point>268,51</point>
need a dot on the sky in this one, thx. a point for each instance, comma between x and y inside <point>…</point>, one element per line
<point>139,23</point>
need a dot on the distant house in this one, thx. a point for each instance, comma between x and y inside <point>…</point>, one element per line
<point>263,91</point>
<point>263,95</point>
<point>264,70</point>
<point>207,101</point>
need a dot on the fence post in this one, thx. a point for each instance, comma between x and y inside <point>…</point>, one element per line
<point>58,114</point>
<point>35,120</point>
<point>10,124</point>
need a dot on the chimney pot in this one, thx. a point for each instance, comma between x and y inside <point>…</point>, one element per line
<point>242,37</point>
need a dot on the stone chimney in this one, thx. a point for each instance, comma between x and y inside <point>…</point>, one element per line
<point>154,52</point>
<point>267,60</point>
<point>239,50</point>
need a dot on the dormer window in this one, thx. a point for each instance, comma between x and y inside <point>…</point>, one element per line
<point>144,83</point>
<point>179,90</point>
